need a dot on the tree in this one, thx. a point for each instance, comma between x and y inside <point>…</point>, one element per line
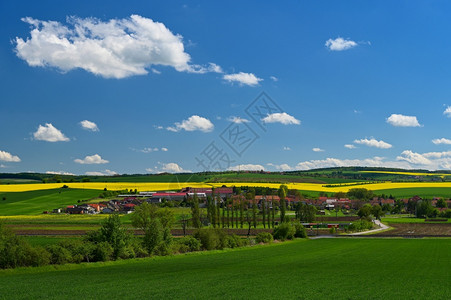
<point>424,209</point>
<point>360,194</point>
<point>441,203</point>
<point>263,204</point>
<point>113,233</point>
<point>365,211</point>
<point>241,212</point>
<point>283,190</point>
<point>377,212</point>
<point>156,224</point>
<point>305,212</point>
<point>195,212</point>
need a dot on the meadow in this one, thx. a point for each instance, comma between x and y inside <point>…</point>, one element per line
<point>302,269</point>
<point>38,201</point>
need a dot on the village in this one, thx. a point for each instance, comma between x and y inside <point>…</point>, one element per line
<point>125,203</point>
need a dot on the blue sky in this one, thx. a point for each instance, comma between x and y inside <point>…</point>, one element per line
<point>162,83</point>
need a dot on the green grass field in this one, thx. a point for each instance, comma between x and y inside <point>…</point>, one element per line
<point>303,269</point>
<point>35,202</point>
<point>428,193</point>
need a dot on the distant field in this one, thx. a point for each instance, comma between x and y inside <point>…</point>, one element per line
<point>308,269</point>
<point>407,173</point>
<point>153,178</point>
<point>35,202</point>
<point>275,178</point>
<point>424,192</point>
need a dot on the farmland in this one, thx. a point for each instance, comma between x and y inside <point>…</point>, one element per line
<point>315,269</point>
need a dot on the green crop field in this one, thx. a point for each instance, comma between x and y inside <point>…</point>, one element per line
<point>303,269</point>
<point>35,202</point>
<point>424,192</point>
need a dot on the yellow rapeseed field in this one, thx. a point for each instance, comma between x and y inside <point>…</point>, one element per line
<point>161,186</point>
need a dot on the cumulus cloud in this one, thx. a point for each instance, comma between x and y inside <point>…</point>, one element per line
<point>285,148</point>
<point>88,125</point>
<point>173,168</point>
<point>447,112</point>
<point>340,44</point>
<point>243,78</point>
<point>150,149</point>
<point>101,173</point>
<point>193,123</point>
<point>274,78</point>
<point>246,167</point>
<point>8,157</point>
<point>414,158</point>
<point>373,143</point>
<point>49,133</point>
<point>350,146</point>
<point>282,167</point>
<point>237,120</point>
<point>335,162</point>
<point>283,118</point>
<point>403,121</point>
<point>59,173</point>
<point>115,48</point>
<point>91,160</point>
<point>317,149</point>
<point>442,141</point>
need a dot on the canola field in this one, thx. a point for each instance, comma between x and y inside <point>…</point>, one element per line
<point>163,186</point>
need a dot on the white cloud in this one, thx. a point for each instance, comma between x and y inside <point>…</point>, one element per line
<point>49,133</point>
<point>317,149</point>
<point>447,112</point>
<point>282,167</point>
<point>274,78</point>
<point>243,78</point>
<point>441,141</point>
<point>164,149</point>
<point>340,44</point>
<point>88,125</point>
<point>285,148</point>
<point>150,149</point>
<point>403,121</point>
<point>115,48</point>
<point>283,118</point>
<point>237,120</point>
<point>247,167</point>
<point>373,143</point>
<point>59,173</point>
<point>8,157</point>
<point>413,158</point>
<point>101,173</point>
<point>193,123</point>
<point>350,146</point>
<point>2,166</point>
<point>91,160</point>
<point>335,162</point>
<point>437,154</point>
<point>173,168</point>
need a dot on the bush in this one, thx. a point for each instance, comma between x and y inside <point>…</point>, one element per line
<point>300,231</point>
<point>264,237</point>
<point>211,239</point>
<point>103,251</point>
<point>189,244</point>
<point>59,255</point>
<point>232,241</point>
<point>361,225</point>
<point>284,231</point>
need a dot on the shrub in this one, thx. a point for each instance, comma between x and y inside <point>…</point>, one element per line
<point>361,225</point>
<point>232,241</point>
<point>103,252</point>
<point>210,239</point>
<point>59,255</point>
<point>264,237</point>
<point>284,231</point>
<point>189,244</point>
<point>300,231</point>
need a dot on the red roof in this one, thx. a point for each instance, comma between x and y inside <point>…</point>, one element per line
<point>168,194</point>
<point>129,205</point>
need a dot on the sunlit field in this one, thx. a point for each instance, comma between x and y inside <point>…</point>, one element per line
<point>159,186</point>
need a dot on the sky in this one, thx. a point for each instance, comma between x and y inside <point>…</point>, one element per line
<point>104,88</point>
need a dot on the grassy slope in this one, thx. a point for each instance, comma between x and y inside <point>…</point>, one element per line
<point>35,202</point>
<point>427,192</point>
<point>315,269</point>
